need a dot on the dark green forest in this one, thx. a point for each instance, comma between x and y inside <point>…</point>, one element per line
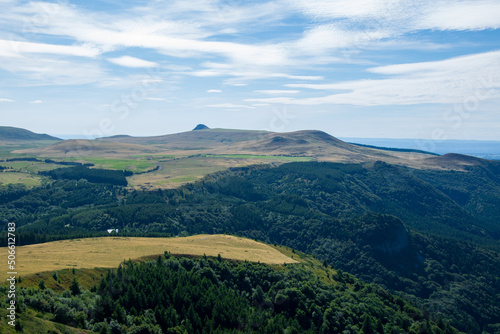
<point>184,295</point>
<point>431,237</point>
<point>95,175</point>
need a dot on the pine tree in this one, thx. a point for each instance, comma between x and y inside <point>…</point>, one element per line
<point>367,326</point>
<point>75,288</point>
<point>379,327</point>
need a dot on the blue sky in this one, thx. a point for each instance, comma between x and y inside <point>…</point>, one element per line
<point>353,68</point>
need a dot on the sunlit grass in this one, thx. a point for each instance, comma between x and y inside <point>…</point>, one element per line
<point>109,252</point>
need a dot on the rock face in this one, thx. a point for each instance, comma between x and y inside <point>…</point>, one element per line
<point>201,127</point>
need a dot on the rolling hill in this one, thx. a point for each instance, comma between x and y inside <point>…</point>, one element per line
<point>9,133</point>
<point>309,143</point>
<point>177,159</point>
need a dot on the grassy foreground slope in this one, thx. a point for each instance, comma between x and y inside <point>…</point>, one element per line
<point>110,252</point>
<point>175,294</point>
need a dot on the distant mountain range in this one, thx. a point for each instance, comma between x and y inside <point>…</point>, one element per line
<point>9,133</point>
<point>317,145</point>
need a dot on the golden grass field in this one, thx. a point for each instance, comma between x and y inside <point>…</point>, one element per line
<point>109,252</point>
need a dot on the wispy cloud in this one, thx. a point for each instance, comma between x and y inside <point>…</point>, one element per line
<point>156,99</point>
<point>277,91</point>
<point>6,100</point>
<point>230,106</point>
<point>192,31</point>
<point>37,71</point>
<point>447,81</point>
<point>13,48</point>
<point>214,91</point>
<point>277,100</point>
<point>132,62</point>
<point>462,15</point>
<point>36,102</point>
<point>354,9</point>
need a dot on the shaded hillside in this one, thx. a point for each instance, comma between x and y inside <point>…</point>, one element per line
<point>395,149</point>
<point>8,133</point>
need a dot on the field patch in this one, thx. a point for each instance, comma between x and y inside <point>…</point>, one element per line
<point>13,177</point>
<point>109,252</point>
<point>118,164</point>
<point>175,172</point>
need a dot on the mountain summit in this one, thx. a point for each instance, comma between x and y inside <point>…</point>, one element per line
<point>201,127</point>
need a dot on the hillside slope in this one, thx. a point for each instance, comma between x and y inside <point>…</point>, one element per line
<point>207,295</point>
<point>9,133</point>
<point>109,252</point>
<point>80,148</point>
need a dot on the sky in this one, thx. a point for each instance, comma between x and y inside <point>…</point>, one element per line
<point>353,68</point>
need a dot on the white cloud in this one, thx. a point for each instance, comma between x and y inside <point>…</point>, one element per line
<point>277,91</point>
<point>406,15</point>
<point>6,100</point>
<point>463,15</point>
<point>277,100</point>
<point>296,77</point>
<point>452,66</point>
<point>176,37</point>
<point>246,73</point>
<point>156,99</point>
<point>324,39</point>
<point>202,31</point>
<point>132,62</point>
<point>13,48</point>
<point>36,102</point>
<point>360,23</point>
<point>32,70</point>
<point>149,80</point>
<point>468,79</point>
<point>230,105</point>
<point>345,8</point>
